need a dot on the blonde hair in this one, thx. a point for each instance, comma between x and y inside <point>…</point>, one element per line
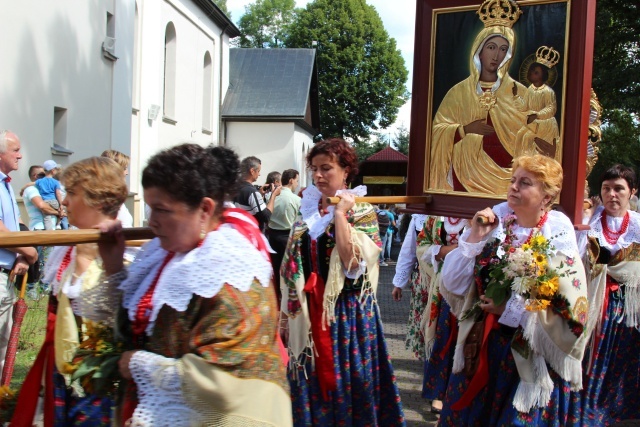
<point>547,170</point>
<point>102,181</point>
<point>120,158</point>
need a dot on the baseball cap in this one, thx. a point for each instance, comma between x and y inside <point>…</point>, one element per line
<point>49,165</point>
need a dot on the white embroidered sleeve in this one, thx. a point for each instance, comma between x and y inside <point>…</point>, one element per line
<point>406,258</point>
<point>161,401</point>
<point>457,271</point>
<point>515,313</point>
<point>430,256</point>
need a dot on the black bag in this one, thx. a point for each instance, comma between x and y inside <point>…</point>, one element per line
<point>383,222</point>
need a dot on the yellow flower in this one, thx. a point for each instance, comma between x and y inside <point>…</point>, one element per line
<point>540,260</point>
<point>526,247</point>
<point>537,304</point>
<point>548,288</point>
<point>69,368</point>
<point>538,240</point>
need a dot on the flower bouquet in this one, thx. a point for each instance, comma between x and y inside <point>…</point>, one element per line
<point>524,270</point>
<point>95,363</point>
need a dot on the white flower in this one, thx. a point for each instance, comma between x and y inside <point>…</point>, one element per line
<point>522,285</point>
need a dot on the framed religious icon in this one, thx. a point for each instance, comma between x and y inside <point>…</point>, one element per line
<point>493,81</point>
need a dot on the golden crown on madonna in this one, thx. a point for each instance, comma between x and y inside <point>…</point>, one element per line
<point>547,56</point>
<point>499,13</point>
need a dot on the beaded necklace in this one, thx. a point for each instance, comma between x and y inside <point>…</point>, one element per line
<point>612,236</point>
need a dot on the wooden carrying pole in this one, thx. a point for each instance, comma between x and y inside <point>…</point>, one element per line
<point>389,200</point>
<point>67,237</point>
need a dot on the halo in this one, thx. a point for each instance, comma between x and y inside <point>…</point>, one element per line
<point>524,71</point>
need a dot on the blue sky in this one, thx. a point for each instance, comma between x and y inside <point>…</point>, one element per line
<point>398,17</point>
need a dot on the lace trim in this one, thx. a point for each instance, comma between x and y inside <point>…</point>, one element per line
<point>632,235</point>
<point>513,312</point>
<point>225,257</point>
<point>161,402</point>
<point>317,223</point>
<point>418,222</point>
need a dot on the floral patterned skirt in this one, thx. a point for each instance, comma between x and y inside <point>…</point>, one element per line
<point>493,405</point>
<point>438,368</point>
<point>611,389</point>
<point>419,300</point>
<point>71,410</point>
<point>366,393</point>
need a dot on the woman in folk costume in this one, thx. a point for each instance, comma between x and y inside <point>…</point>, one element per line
<point>197,303</point>
<point>408,272</point>
<point>518,288</point>
<point>95,191</point>
<point>432,329</point>
<point>612,362</point>
<point>339,368</point>
<point>477,121</point>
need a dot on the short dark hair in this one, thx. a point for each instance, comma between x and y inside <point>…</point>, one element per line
<point>249,163</point>
<point>288,175</point>
<point>190,172</point>
<point>340,151</point>
<point>32,167</point>
<point>545,70</point>
<point>273,177</point>
<point>620,171</point>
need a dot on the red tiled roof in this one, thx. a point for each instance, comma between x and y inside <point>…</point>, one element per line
<point>388,155</point>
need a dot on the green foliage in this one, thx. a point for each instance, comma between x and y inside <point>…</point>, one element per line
<point>365,149</point>
<point>620,144</point>
<point>361,73</point>
<point>265,23</point>
<point>616,59</point>
<point>222,4</point>
<point>401,140</point>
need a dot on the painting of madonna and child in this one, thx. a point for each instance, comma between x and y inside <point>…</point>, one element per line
<point>497,90</point>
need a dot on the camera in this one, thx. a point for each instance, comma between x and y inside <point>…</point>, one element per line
<point>264,188</point>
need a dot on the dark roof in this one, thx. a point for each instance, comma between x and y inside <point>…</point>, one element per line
<point>269,83</point>
<point>388,155</point>
<point>218,16</point>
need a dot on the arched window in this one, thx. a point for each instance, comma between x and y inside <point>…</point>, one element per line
<point>207,86</point>
<point>169,98</point>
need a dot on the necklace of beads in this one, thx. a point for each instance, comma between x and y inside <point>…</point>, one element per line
<point>612,236</point>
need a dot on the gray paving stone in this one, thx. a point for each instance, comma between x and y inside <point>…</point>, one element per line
<point>408,369</point>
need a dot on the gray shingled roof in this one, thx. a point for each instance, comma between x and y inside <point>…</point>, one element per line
<point>269,83</point>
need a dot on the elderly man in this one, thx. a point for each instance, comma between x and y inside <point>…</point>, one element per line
<point>13,261</point>
<point>250,198</point>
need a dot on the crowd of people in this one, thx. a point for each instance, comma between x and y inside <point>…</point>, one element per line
<point>256,305</point>
<point>552,348</point>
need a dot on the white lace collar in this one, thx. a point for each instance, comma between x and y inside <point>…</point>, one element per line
<point>632,235</point>
<point>454,228</point>
<point>225,257</point>
<point>317,223</point>
<point>558,228</point>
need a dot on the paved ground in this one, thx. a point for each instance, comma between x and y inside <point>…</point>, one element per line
<point>408,370</point>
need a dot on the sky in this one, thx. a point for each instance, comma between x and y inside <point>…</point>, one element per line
<point>398,17</point>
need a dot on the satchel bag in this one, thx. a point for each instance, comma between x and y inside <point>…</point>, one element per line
<point>471,349</point>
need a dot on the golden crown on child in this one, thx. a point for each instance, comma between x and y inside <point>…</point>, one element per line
<point>499,13</point>
<point>547,56</point>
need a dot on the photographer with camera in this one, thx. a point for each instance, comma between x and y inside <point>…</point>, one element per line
<point>251,198</point>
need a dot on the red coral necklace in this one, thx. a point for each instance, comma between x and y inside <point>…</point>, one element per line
<point>538,226</point>
<point>612,236</point>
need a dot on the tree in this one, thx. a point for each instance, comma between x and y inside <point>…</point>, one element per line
<point>361,74</point>
<point>222,4</point>
<point>265,23</point>
<point>616,57</point>
<point>620,144</point>
<point>366,149</point>
<point>401,140</point>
